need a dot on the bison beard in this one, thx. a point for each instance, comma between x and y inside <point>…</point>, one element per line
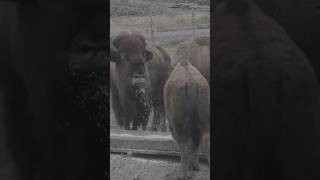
<point>187,104</point>
<point>48,136</point>
<point>266,99</point>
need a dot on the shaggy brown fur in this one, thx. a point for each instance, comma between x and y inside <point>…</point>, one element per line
<point>266,99</point>
<point>132,55</point>
<point>187,102</point>
<point>197,52</point>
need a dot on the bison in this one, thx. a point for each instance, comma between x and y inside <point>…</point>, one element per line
<point>198,51</point>
<point>45,135</point>
<point>266,99</point>
<point>187,104</point>
<point>138,72</point>
<point>301,20</point>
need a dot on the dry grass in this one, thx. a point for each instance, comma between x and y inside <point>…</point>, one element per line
<point>161,22</point>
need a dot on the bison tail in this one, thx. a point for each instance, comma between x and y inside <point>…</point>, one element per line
<point>192,116</point>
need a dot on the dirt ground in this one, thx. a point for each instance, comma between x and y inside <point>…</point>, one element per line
<point>124,167</point>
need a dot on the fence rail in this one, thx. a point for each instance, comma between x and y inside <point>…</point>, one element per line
<point>145,142</point>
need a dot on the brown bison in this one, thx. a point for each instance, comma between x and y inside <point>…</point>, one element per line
<point>138,72</point>
<point>187,103</point>
<point>266,99</point>
<point>198,52</point>
<point>45,134</point>
<point>301,20</point>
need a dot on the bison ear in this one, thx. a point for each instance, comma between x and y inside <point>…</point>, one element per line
<point>148,55</point>
<point>114,56</point>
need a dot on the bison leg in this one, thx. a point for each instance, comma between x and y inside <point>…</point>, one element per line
<point>189,162</point>
<point>145,117</point>
<point>162,120</point>
<point>155,122</point>
<point>142,117</point>
<point>189,159</point>
<point>126,125</point>
<point>117,109</point>
<point>206,144</point>
<point>159,123</point>
<point>135,124</point>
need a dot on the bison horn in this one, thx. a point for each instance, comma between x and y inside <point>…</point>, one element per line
<point>112,47</point>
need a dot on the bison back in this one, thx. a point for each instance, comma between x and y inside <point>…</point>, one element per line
<point>197,52</point>
<point>187,102</point>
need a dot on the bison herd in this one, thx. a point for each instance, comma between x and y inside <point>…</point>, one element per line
<point>266,93</point>
<point>144,77</point>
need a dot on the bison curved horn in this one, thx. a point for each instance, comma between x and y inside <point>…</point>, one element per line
<point>112,47</point>
<point>114,52</point>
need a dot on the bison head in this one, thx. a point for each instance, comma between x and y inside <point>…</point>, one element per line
<point>128,51</point>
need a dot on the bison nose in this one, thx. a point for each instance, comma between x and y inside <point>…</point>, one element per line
<point>138,80</point>
<point>139,76</point>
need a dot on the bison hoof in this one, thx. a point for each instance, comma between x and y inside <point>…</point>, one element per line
<point>180,175</point>
<point>195,166</point>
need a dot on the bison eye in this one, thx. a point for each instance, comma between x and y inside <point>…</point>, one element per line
<point>148,55</point>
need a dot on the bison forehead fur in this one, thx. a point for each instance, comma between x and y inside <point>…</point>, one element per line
<point>130,42</point>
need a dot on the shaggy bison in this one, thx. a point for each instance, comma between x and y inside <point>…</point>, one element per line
<point>138,72</point>
<point>44,133</point>
<point>266,99</point>
<point>198,51</point>
<point>187,103</point>
<point>301,20</point>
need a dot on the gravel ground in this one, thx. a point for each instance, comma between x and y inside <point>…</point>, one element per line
<point>124,167</point>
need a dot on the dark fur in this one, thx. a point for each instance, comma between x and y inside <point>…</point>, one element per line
<point>301,20</point>
<point>157,69</point>
<point>266,99</point>
<point>47,137</point>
